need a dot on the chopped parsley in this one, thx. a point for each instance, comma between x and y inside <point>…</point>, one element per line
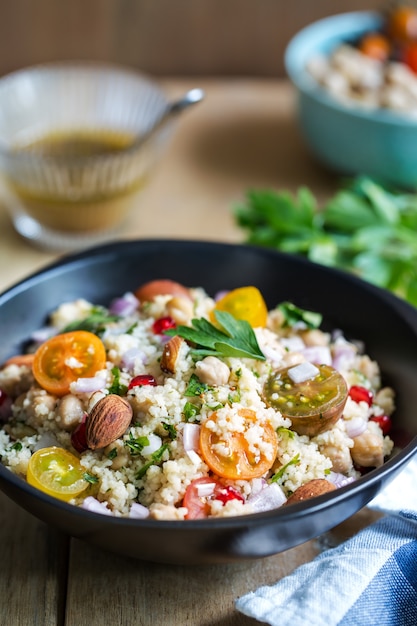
<point>117,387</point>
<point>16,446</point>
<point>90,478</point>
<point>155,459</point>
<point>190,412</point>
<point>171,430</point>
<point>94,323</point>
<point>136,445</point>
<point>278,475</point>
<point>294,315</point>
<point>195,387</point>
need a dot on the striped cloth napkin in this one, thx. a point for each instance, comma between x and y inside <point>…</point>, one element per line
<point>370,580</point>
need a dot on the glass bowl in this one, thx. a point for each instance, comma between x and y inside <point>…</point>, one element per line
<point>70,165</point>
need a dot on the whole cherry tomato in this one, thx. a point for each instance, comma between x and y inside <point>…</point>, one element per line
<point>228,454</point>
<point>376,46</point>
<point>64,358</point>
<point>244,303</point>
<point>57,472</point>
<point>163,287</point>
<point>402,24</point>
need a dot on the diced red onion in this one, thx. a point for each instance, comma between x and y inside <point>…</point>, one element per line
<point>275,356</point>
<point>320,355</point>
<point>343,355</point>
<point>204,490</point>
<point>194,457</point>
<point>340,480</point>
<point>42,334</point>
<point>155,442</point>
<point>271,497</point>
<point>130,357</point>
<point>191,437</point>
<point>138,511</point>
<point>293,344</point>
<point>46,440</point>
<point>302,372</point>
<point>220,294</point>
<point>89,385</point>
<point>355,427</point>
<point>94,506</point>
<point>124,306</point>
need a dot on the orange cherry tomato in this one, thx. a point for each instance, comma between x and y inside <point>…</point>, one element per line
<point>228,453</point>
<point>244,303</point>
<point>163,287</point>
<point>376,46</point>
<point>57,472</point>
<point>402,24</point>
<point>64,358</point>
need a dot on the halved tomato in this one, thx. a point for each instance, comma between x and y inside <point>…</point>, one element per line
<point>64,358</point>
<point>57,472</point>
<point>228,453</point>
<point>313,405</point>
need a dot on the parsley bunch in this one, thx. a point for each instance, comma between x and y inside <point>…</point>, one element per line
<point>365,228</point>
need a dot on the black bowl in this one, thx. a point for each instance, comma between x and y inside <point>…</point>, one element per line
<point>386,324</point>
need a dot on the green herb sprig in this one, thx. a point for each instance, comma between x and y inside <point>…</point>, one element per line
<point>366,228</point>
<point>237,339</point>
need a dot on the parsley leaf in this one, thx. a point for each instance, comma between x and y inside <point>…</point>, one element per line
<point>136,445</point>
<point>94,323</point>
<point>294,315</point>
<point>116,386</point>
<point>155,458</point>
<point>278,475</point>
<point>237,339</point>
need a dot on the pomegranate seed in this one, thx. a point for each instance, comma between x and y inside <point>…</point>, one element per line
<point>142,380</point>
<point>162,324</point>
<point>383,421</point>
<point>78,438</point>
<point>361,394</point>
<point>225,494</point>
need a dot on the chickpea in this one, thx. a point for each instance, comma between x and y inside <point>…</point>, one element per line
<point>212,371</point>
<point>368,448</point>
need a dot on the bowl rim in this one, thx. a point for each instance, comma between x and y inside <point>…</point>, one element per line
<point>336,29</point>
<point>301,509</point>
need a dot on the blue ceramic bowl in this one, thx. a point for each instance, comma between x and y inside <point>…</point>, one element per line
<point>348,139</point>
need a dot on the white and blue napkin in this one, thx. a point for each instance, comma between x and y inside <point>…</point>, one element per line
<point>370,580</point>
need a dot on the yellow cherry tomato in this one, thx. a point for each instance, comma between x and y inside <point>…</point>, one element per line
<point>229,455</point>
<point>57,472</point>
<point>64,358</point>
<point>244,303</point>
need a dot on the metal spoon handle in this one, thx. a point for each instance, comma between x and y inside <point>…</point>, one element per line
<point>174,108</point>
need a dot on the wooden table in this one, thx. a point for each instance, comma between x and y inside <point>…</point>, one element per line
<point>244,135</point>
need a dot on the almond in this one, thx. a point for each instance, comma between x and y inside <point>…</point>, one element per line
<point>170,354</point>
<point>107,421</point>
<point>312,489</point>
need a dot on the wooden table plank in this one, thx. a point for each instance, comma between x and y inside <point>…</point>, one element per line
<point>33,576</point>
<point>104,588</point>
